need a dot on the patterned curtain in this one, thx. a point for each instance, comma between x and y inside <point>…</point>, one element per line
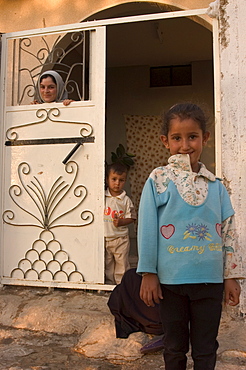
<point>143,140</point>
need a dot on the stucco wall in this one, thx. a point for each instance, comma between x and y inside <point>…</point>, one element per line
<point>233,109</point>
<point>18,15</point>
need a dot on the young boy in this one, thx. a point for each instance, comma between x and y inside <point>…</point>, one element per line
<point>118,214</point>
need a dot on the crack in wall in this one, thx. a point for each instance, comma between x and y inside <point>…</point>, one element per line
<point>224,24</point>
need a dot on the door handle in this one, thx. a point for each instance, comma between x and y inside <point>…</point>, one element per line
<point>76,147</point>
<point>78,140</point>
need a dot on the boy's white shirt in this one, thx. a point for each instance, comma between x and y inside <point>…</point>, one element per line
<point>117,203</point>
<point>193,188</point>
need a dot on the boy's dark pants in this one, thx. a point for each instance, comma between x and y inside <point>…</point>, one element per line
<point>191,312</point>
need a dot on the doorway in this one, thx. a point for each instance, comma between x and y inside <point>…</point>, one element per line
<point>140,51</point>
<point>152,65</point>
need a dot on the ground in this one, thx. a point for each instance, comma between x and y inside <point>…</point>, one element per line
<point>60,330</point>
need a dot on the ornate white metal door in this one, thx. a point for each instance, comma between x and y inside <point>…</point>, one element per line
<point>53,160</point>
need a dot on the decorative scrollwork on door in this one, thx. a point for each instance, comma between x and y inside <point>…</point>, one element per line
<point>44,115</point>
<point>47,202</point>
<point>47,261</point>
<point>66,53</point>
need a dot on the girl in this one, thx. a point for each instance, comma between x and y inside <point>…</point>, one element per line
<point>50,88</point>
<point>185,228</point>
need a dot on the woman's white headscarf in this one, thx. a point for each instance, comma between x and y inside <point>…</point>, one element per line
<point>61,92</point>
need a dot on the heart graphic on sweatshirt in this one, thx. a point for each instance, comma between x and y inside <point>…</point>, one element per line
<point>218,229</point>
<point>167,231</point>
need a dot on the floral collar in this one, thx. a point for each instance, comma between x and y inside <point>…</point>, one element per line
<point>181,162</point>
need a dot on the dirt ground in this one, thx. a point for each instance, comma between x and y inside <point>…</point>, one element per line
<point>22,348</point>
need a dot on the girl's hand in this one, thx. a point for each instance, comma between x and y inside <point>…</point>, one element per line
<point>232,292</point>
<point>34,102</point>
<point>150,290</point>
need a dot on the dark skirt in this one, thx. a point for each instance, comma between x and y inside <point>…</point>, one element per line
<point>130,312</point>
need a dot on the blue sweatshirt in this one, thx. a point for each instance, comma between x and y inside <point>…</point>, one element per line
<point>182,242</point>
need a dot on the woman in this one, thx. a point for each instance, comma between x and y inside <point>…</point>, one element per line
<point>132,315</point>
<point>50,88</point>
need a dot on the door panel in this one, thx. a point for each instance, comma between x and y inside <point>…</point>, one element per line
<point>52,230</point>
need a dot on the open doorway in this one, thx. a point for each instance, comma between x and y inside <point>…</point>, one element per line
<point>152,65</point>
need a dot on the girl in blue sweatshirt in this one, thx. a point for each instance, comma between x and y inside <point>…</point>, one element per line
<point>186,241</point>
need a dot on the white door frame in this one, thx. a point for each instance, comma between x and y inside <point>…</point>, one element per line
<point>133,19</point>
<point>156,16</point>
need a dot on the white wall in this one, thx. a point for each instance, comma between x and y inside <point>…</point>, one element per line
<point>233,112</point>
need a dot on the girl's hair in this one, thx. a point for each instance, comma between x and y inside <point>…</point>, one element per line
<point>46,76</point>
<point>184,111</point>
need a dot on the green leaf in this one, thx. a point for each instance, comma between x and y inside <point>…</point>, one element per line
<point>114,157</point>
<point>128,161</point>
<point>130,154</point>
<point>120,151</point>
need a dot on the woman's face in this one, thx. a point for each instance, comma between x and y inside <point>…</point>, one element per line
<point>48,90</point>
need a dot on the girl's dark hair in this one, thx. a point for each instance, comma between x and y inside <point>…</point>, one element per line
<point>184,111</point>
<point>46,75</point>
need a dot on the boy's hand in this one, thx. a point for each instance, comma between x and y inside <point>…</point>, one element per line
<point>116,220</point>
<point>150,290</point>
<point>120,221</point>
<point>232,292</point>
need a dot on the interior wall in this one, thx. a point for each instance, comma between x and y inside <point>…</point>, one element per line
<point>128,92</point>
